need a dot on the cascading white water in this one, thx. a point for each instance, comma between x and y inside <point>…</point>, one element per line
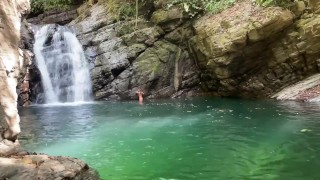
<point>62,64</point>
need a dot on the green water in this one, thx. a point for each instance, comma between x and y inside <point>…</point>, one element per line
<point>182,139</point>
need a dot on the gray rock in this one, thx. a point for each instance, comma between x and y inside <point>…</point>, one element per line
<point>139,58</point>
<point>147,36</point>
<point>55,17</point>
<point>45,167</point>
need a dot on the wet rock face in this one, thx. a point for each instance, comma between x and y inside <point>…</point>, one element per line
<point>124,59</point>
<point>255,55</point>
<point>245,51</point>
<point>25,84</point>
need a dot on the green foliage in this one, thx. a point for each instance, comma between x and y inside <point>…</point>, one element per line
<point>119,9</point>
<point>124,28</point>
<point>124,9</point>
<point>38,6</point>
<point>215,6</point>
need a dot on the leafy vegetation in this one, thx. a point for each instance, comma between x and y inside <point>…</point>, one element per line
<point>39,6</point>
<point>120,9</point>
<point>124,9</point>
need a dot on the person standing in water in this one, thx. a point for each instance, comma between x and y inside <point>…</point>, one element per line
<point>140,95</point>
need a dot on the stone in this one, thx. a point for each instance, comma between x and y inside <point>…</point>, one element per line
<point>314,4</point>
<point>26,56</point>
<point>55,17</point>
<point>246,53</point>
<point>147,36</point>
<point>135,50</point>
<point>275,23</point>
<point>92,2</point>
<point>11,14</point>
<point>298,8</point>
<point>96,19</point>
<point>180,34</point>
<point>166,16</point>
<point>35,166</point>
<point>168,19</point>
<point>305,90</point>
<point>101,76</point>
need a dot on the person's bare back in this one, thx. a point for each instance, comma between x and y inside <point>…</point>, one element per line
<point>140,95</point>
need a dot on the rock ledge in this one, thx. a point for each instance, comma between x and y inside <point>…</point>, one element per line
<point>20,164</point>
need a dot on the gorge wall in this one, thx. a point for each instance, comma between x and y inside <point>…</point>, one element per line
<point>125,58</point>
<point>13,62</point>
<point>244,51</point>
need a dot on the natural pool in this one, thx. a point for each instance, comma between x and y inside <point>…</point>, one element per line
<point>202,138</point>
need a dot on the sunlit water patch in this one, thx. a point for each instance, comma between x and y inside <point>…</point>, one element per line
<point>182,139</point>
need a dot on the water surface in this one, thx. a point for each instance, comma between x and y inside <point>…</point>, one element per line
<point>182,139</point>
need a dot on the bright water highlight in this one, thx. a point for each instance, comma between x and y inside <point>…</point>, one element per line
<point>182,139</point>
<point>63,66</point>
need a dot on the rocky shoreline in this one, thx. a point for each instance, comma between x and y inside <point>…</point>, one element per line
<point>16,163</point>
<point>307,90</point>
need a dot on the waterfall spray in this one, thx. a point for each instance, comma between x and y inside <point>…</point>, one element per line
<point>63,66</point>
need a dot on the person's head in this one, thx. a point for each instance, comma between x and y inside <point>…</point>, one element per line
<point>139,92</point>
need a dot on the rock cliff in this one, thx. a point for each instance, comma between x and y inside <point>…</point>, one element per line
<point>124,58</point>
<point>244,51</point>
<point>256,53</point>
<point>12,62</point>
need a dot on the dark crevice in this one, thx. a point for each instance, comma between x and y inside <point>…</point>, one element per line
<point>117,71</point>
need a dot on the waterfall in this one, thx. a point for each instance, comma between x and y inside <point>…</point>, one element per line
<point>62,64</point>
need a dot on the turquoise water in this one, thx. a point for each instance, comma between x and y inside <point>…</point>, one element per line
<point>182,139</point>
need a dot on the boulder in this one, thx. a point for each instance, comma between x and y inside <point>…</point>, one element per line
<point>314,4</point>
<point>168,19</point>
<point>154,67</point>
<point>40,166</point>
<point>55,17</point>
<point>249,51</point>
<point>147,36</point>
<point>305,90</point>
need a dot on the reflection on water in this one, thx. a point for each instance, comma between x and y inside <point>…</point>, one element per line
<point>182,139</point>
